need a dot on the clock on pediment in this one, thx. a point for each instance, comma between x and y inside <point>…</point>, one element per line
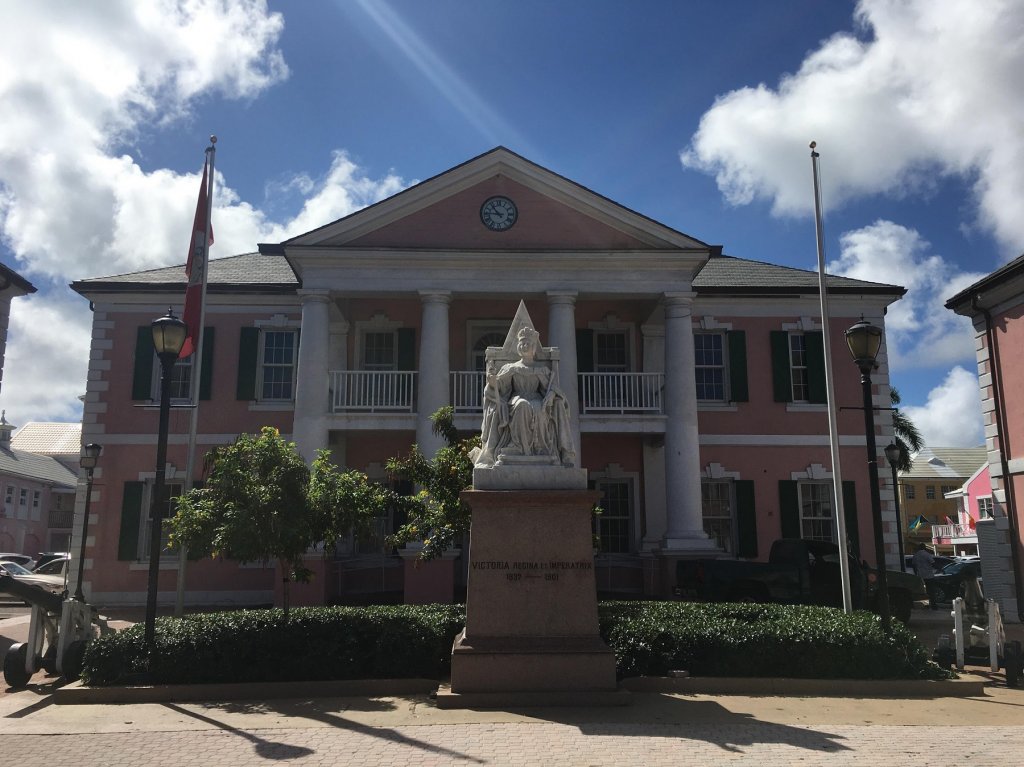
<point>498,213</point>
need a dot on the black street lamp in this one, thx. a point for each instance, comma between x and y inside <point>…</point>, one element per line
<point>864,340</point>
<point>90,456</point>
<point>168,338</point>
<point>892,455</point>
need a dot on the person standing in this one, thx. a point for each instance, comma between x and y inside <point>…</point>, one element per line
<point>924,566</point>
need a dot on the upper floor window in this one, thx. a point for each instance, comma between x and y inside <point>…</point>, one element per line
<point>798,366</point>
<point>277,364</point>
<point>611,351</point>
<point>948,489</point>
<point>709,366</point>
<point>985,507</point>
<point>181,379</point>
<point>379,350</point>
<point>148,371</point>
<point>911,492</point>
<point>929,492</point>
<point>35,498</point>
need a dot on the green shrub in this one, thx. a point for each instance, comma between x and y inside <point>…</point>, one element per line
<point>764,640</point>
<point>405,641</point>
<point>380,642</point>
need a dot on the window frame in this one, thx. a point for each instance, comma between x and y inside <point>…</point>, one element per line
<point>988,511</point>
<point>604,519</point>
<point>798,375</point>
<point>730,499</point>
<point>181,379</point>
<point>146,521</point>
<point>824,490</point>
<point>722,366</point>
<point>262,365</point>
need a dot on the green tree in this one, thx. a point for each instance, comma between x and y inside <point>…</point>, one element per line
<point>261,503</point>
<point>435,515</point>
<point>908,438</point>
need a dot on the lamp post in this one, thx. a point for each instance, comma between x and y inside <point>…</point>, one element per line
<point>90,456</point>
<point>864,340</point>
<point>168,337</point>
<point>892,455</point>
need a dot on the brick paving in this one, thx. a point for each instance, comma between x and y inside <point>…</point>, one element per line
<point>530,743</point>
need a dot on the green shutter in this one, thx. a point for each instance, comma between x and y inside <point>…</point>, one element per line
<point>406,356</point>
<point>584,350</point>
<point>746,519</point>
<point>248,359</point>
<point>142,380</point>
<point>815,345</point>
<point>782,379</point>
<point>850,515</point>
<point>206,374</point>
<point>789,508</point>
<point>737,342</point>
<point>131,518</point>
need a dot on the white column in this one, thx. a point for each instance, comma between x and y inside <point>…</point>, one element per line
<point>562,334</point>
<point>434,372</point>
<point>309,430</point>
<point>682,445</point>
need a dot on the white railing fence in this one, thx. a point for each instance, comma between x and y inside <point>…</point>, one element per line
<point>373,391</point>
<point>621,392</point>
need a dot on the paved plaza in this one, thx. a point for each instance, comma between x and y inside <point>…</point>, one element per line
<point>656,729</point>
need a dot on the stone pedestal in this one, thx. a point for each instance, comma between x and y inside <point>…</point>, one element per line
<point>531,635</point>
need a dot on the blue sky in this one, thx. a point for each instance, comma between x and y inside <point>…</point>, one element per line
<point>695,114</point>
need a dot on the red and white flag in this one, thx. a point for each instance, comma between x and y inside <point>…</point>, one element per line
<point>195,269</point>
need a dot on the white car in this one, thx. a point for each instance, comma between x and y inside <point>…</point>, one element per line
<point>52,576</point>
<point>22,559</point>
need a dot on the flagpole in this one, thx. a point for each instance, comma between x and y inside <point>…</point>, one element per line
<point>197,372</point>
<point>833,432</point>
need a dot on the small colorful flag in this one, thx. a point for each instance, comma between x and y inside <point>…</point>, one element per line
<point>195,269</point>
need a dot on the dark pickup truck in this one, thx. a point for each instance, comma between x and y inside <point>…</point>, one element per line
<point>797,572</point>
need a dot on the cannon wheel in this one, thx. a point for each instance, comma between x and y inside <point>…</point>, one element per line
<point>71,663</point>
<point>14,666</point>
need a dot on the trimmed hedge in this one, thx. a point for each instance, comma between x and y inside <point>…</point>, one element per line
<point>410,641</point>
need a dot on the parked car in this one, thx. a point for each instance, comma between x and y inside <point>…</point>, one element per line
<point>941,560</point>
<point>49,556</point>
<point>52,576</point>
<point>797,572</point>
<point>13,569</point>
<point>949,583</point>
<point>22,559</point>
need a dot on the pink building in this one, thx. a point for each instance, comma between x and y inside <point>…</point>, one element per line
<point>995,304</point>
<point>698,377</point>
<point>974,503</point>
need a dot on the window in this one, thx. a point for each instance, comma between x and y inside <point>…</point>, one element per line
<point>816,516</point>
<point>181,379</point>
<point>277,364</point>
<point>172,490</point>
<point>485,338</point>
<point>379,350</point>
<point>929,492</point>
<point>709,366</point>
<point>948,489</point>
<point>612,526</point>
<point>717,508</point>
<point>798,367</point>
<point>911,491</point>
<point>35,499</point>
<point>985,507</point>
<point>611,351</point>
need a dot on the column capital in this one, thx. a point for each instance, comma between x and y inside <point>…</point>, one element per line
<point>435,296</point>
<point>562,296</point>
<point>678,304</point>
<point>314,295</point>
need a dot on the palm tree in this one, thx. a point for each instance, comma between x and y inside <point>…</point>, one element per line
<point>908,438</point>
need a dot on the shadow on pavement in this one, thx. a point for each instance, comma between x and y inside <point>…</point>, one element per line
<point>267,749</point>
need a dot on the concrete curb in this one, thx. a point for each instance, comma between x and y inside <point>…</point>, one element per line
<point>78,694</point>
<point>966,686</point>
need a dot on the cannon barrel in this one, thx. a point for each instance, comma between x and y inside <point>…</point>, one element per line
<point>34,595</point>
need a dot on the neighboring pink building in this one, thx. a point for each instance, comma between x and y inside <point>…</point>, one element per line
<point>995,305</point>
<point>698,377</point>
<point>974,503</point>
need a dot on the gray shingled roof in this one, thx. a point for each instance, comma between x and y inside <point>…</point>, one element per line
<point>946,462</point>
<point>728,274</point>
<point>41,468</point>
<point>248,272</point>
<point>256,271</point>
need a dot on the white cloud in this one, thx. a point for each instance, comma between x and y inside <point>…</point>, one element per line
<point>931,88</point>
<point>920,331</point>
<point>952,415</point>
<point>79,84</point>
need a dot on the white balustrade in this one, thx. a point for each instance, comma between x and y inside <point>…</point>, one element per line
<point>373,391</point>
<point>467,390</point>
<point>622,392</point>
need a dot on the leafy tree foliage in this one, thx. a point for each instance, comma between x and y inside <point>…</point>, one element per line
<point>908,438</point>
<point>436,515</point>
<point>262,503</point>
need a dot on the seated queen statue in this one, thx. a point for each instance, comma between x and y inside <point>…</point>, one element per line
<point>526,416</point>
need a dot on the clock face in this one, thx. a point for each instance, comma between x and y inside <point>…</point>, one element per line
<point>498,214</point>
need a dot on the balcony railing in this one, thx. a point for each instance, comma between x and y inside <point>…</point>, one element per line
<point>373,391</point>
<point>395,391</point>
<point>58,520</point>
<point>621,393</point>
<point>953,531</point>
